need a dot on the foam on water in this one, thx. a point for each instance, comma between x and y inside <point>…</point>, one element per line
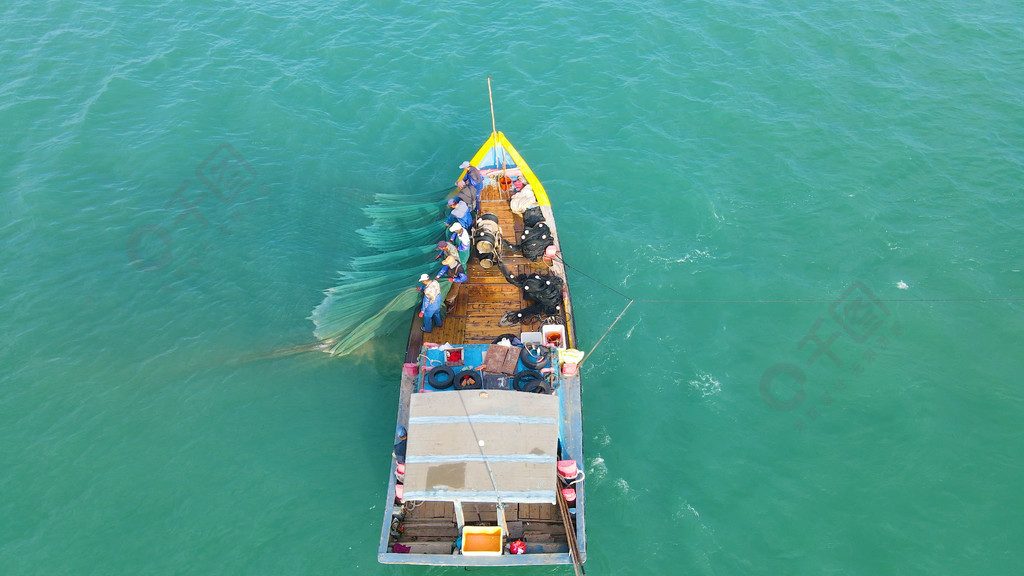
<point>706,385</point>
<point>598,469</point>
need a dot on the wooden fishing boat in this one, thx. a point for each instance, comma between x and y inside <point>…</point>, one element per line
<point>488,471</point>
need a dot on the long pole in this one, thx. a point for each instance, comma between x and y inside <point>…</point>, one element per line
<point>570,534</point>
<point>490,96</point>
<point>494,130</point>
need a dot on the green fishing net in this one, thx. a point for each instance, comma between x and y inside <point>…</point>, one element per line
<point>378,290</point>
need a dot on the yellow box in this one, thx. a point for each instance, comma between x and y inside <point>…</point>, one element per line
<point>482,540</point>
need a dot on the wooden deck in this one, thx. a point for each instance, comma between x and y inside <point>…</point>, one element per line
<point>486,295</point>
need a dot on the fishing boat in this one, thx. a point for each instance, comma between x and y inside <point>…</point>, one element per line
<point>489,414</point>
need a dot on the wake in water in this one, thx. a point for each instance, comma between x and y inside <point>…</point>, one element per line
<point>281,353</point>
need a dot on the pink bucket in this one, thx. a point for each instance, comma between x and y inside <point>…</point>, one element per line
<point>567,469</point>
<point>570,369</point>
<point>570,495</point>
<point>410,369</point>
<point>400,489</point>
<point>549,253</point>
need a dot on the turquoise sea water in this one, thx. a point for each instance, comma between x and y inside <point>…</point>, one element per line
<point>816,207</point>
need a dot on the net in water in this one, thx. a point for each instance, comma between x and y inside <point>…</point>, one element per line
<point>378,290</point>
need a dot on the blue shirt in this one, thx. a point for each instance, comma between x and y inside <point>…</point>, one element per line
<point>461,213</point>
<point>474,178</point>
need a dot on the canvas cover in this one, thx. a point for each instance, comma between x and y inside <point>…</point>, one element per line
<point>516,463</point>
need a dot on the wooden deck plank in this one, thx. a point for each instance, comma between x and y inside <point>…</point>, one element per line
<point>480,513</point>
<point>554,528</point>
<point>487,279</point>
<point>511,512</point>
<point>430,511</point>
<point>453,328</point>
<point>422,532</point>
<point>484,314</point>
<point>478,292</point>
<point>430,547</point>
<point>535,512</point>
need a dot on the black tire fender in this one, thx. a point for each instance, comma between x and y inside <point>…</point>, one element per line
<point>530,381</point>
<point>435,372</point>
<point>468,380</point>
<point>535,362</point>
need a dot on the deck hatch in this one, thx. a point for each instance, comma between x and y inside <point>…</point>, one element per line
<point>520,439</point>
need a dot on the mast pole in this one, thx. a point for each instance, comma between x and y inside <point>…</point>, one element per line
<point>494,131</point>
<point>490,96</point>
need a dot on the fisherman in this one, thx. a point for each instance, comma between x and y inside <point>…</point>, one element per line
<point>460,212</point>
<point>401,438</point>
<point>462,240</point>
<point>473,179</point>
<point>430,310</point>
<point>459,237</point>
<point>456,275</point>
<point>446,249</point>
<point>468,195</point>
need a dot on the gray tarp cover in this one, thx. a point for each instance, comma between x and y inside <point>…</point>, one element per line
<point>444,458</point>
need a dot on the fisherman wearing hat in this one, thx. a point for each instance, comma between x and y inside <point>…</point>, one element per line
<point>430,310</point>
<point>401,437</point>
<point>460,237</point>
<point>456,275</point>
<point>473,179</point>
<point>446,249</point>
<point>468,195</point>
<point>460,213</point>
